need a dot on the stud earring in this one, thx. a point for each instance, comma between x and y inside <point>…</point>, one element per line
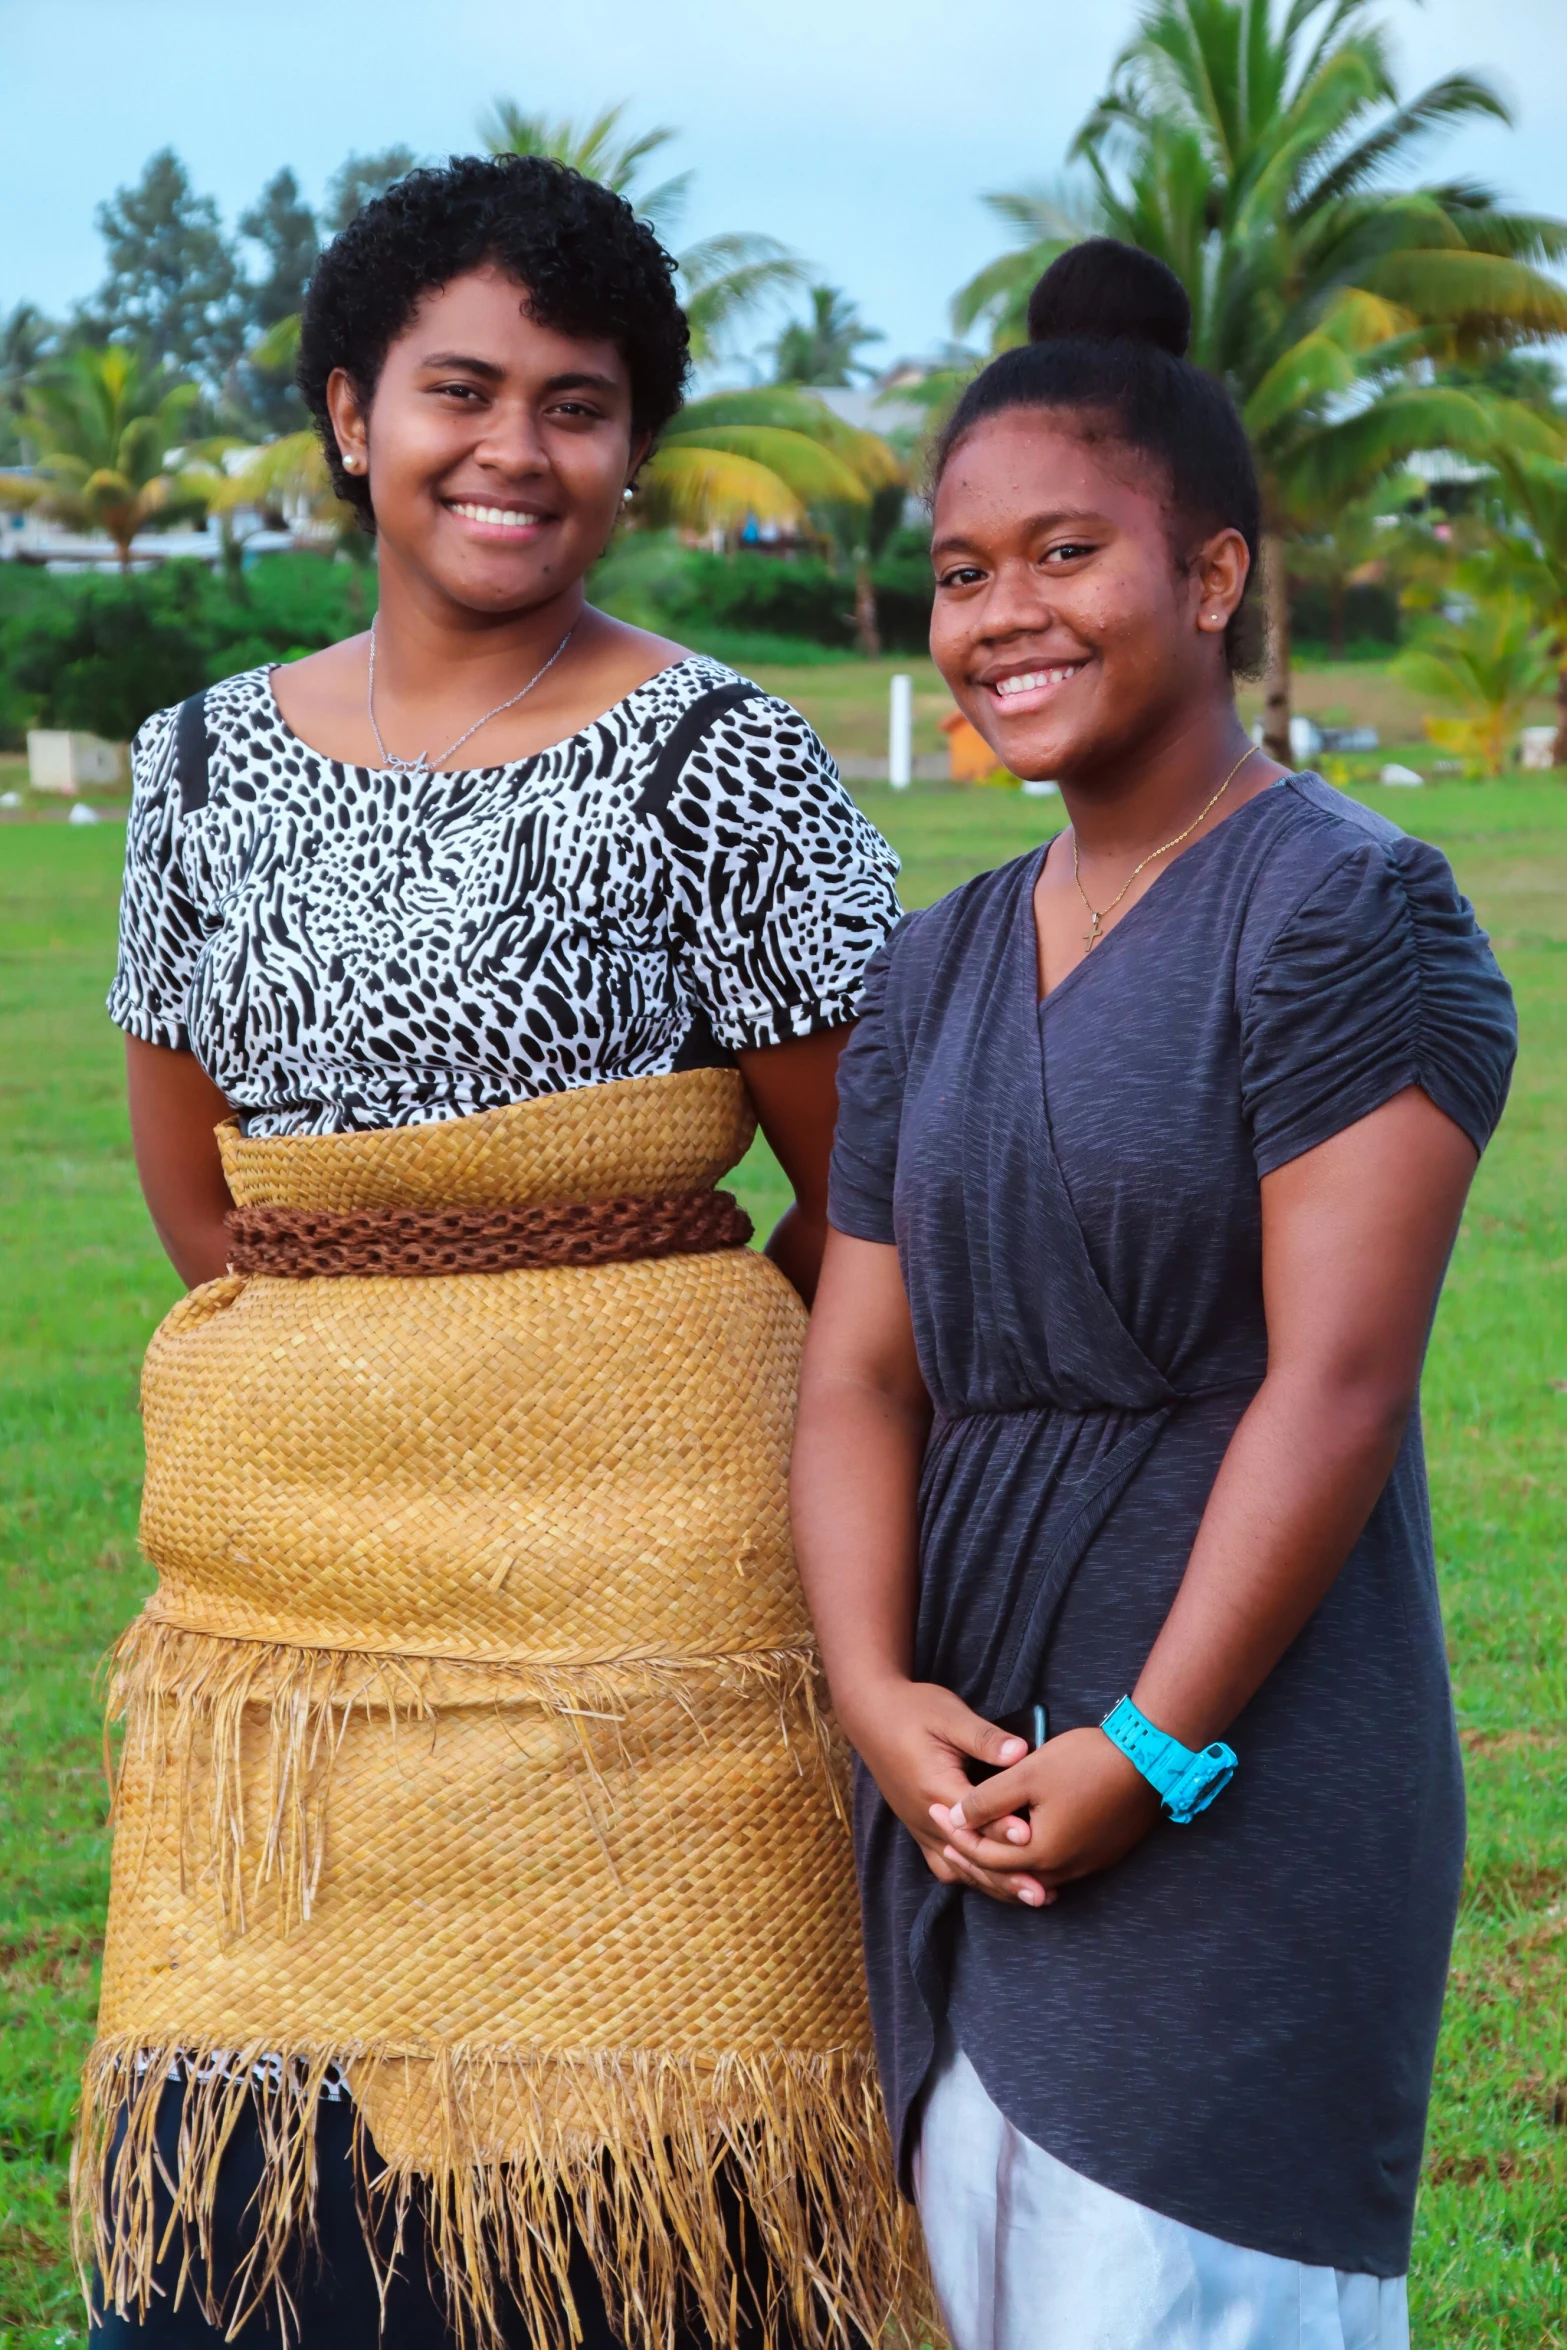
<point>628,493</point>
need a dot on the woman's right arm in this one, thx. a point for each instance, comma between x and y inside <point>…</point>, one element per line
<point>864,1417</point>
<point>174,1108</point>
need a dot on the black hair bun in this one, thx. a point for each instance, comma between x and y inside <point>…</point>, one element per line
<point>1110,292</point>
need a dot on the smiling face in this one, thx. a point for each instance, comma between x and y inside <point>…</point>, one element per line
<point>1064,624</point>
<point>496,449</point>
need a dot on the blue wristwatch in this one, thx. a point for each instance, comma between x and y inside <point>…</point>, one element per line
<point>1185,1783</point>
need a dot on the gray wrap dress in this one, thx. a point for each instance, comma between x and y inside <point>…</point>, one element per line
<point>1235,2025</point>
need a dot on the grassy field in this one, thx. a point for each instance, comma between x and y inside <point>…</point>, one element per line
<point>82,1283</point>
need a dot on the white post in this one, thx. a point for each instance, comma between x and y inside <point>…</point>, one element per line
<point>900,733</point>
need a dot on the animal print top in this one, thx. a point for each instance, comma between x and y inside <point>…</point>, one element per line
<point>348,947</point>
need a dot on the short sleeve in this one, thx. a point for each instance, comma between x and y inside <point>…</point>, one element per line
<point>160,931</point>
<point>870,1107</point>
<point>781,890</point>
<point>1380,979</point>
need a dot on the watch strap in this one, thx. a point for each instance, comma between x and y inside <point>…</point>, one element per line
<point>1185,1780</point>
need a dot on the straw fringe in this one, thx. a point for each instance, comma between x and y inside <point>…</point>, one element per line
<point>184,1696</point>
<point>627,2148</point>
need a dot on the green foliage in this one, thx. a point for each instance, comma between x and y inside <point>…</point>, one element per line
<point>684,592</point>
<point>283,225</point>
<point>1041,222</point>
<point>598,149</point>
<point>1485,667</point>
<point>102,654</point>
<point>102,428</point>
<point>1259,155</point>
<point>27,339</point>
<point>174,286</point>
<point>1362,614</point>
<point>1264,152</point>
<point>1343,564</point>
<point>772,452</point>
<point>721,278</point>
<point>360,179</point>
<point>1531,556</point>
<point>825,348</point>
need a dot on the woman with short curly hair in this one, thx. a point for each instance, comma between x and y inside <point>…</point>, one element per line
<point>481,1944</point>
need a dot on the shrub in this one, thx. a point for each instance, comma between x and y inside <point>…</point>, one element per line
<point>649,578</point>
<point>1369,615</point>
<point>100,653</point>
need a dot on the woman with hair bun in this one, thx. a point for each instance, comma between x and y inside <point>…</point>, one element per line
<point>1108,1484</point>
<point>480,1961</point>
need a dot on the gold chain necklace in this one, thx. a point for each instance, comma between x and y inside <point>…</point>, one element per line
<point>1097,914</point>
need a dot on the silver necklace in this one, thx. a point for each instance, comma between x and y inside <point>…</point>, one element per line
<point>420,764</point>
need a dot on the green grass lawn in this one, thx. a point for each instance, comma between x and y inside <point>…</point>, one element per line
<point>83,1283</point>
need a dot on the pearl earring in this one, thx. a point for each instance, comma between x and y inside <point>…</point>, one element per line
<point>628,494</point>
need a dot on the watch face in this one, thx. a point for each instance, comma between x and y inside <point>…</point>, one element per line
<point>1208,1774</point>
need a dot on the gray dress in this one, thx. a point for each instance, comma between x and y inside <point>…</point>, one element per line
<point>1235,2025</point>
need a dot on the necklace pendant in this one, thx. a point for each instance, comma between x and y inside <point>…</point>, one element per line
<point>1091,936</point>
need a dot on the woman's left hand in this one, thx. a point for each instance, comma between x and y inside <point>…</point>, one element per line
<point>1085,1806</point>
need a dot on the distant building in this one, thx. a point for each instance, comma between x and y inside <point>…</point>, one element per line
<point>30,538</point>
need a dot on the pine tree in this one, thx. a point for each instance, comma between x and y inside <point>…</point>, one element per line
<point>359,179</point>
<point>174,286</point>
<point>283,225</point>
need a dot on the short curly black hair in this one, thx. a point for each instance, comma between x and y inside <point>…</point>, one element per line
<point>589,266</point>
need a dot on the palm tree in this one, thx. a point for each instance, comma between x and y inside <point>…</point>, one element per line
<point>597,149</point>
<point>25,339</point>
<point>289,473</point>
<point>1529,560</point>
<point>772,452</point>
<point>1256,150</point>
<point>1486,666</point>
<point>824,349</point>
<point>1041,222</point>
<point>106,431</point>
<point>720,278</point>
<point>724,276</point>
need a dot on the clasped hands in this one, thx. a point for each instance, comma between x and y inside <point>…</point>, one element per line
<point>1072,1806</point>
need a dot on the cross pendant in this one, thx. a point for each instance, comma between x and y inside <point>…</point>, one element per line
<point>1091,936</point>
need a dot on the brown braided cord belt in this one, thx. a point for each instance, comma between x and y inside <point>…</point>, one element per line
<point>306,1244</point>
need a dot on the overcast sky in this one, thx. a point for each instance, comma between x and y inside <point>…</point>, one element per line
<point>862,132</point>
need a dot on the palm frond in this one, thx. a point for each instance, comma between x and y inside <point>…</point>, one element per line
<point>808,469</point>
<point>278,348</point>
<point>1457,97</point>
<point>725,276</point>
<point>595,148</point>
<point>700,487</point>
<point>1312,370</point>
<point>1481,293</point>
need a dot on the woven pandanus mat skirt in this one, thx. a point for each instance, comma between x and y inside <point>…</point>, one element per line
<point>472,1753</point>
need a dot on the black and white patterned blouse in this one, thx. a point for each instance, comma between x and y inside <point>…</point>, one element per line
<point>346,947</point>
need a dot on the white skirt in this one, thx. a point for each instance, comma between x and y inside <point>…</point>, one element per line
<point>1028,2255</point>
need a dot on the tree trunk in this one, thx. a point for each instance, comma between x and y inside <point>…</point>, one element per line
<point>1559,749</point>
<point>1336,625</point>
<point>1276,689</point>
<point>867,627</point>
